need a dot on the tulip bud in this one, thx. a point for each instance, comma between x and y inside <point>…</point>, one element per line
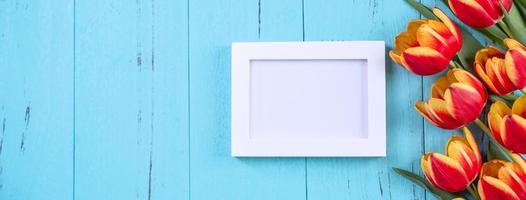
<point>501,180</point>
<point>479,13</point>
<point>515,62</point>
<point>490,68</point>
<point>428,45</point>
<point>454,171</point>
<point>456,100</point>
<point>508,126</point>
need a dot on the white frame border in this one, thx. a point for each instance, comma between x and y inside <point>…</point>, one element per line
<point>372,146</point>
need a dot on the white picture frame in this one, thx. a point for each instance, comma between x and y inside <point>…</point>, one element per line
<point>308,99</point>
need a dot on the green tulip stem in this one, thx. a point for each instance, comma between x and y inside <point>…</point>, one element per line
<point>523,91</point>
<point>510,97</point>
<point>505,28</point>
<point>495,98</point>
<point>486,130</point>
<point>452,64</point>
<point>473,191</point>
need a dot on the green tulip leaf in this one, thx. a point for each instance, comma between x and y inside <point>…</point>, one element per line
<point>440,194</point>
<point>470,46</point>
<point>521,6</point>
<point>494,152</point>
<point>425,11</point>
<point>493,33</point>
<point>515,15</point>
<point>514,23</point>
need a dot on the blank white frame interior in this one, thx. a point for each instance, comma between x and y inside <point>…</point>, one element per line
<point>308,99</point>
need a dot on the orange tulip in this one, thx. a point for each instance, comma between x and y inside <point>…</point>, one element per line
<point>454,171</point>
<point>490,68</point>
<point>479,13</point>
<point>501,180</point>
<point>508,126</point>
<point>456,100</point>
<point>428,45</point>
<point>515,62</point>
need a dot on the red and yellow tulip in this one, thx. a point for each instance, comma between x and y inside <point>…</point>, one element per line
<point>479,13</point>
<point>454,171</point>
<point>508,126</point>
<point>501,180</point>
<point>428,45</point>
<point>456,100</point>
<point>515,61</point>
<point>491,69</point>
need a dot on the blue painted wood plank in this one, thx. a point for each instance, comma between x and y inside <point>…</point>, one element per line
<point>131,100</point>
<point>214,173</point>
<point>111,115</point>
<point>370,178</point>
<point>169,93</point>
<point>36,108</point>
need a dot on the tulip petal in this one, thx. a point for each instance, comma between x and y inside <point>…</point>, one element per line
<point>496,115</point>
<point>451,26</point>
<point>404,41</point>
<point>515,62</point>
<point>519,107</point>
<point>491,168</point>
<point>474,147</point>
<point>426,168</point>
<point>472,13</point>
<point>436,35</point>
<point>486,53</point>
<point>424,61</point>
<point>496,71</point>
<point>407,39</point>
<point>462,76</point>
<point>482,75</point>
<point>435,111</point>
<point>439,87</point>
<point>458,149</point>
<point>482,60</point>
<point>511,43</point>
<point>427,37</point>
<point>514,133</point>
<point>395,57</point>
<point>491,188</point>
<point>448,173</point>
<point>464,102</point>
<point>520,161</point>
<point>514,179</point>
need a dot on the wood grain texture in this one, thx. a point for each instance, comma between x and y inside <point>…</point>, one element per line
<point>214,173</point>
<point>112,146</point>
<point>36,104</point>
<point>131,100</point>
<point>370,178</point>
<point>132,68</point>
<point>169,153</point>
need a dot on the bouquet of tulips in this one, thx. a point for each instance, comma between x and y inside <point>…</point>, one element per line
<point>479,81</point>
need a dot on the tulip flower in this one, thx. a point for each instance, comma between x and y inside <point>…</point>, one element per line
<point>490,68</point>
<point>479,13</point>
<point>501,180</point>
<point>454,171</point>
<point>456,100</point>
<point>508,126</point>
<point>428,45</point>
<point>515,62</point>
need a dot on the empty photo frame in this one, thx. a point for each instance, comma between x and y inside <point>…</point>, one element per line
<point>308,99</point>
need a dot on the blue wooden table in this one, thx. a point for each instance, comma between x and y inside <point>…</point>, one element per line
<point>114,99</point>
